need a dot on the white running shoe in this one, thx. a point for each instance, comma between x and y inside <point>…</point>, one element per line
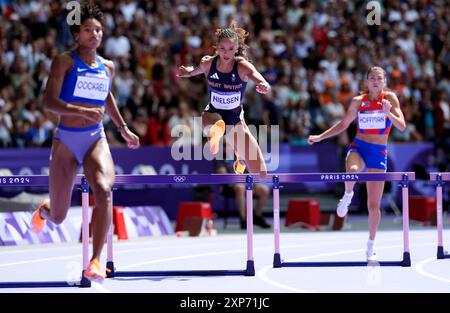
<point>342,207</point>
<point>371,256</point>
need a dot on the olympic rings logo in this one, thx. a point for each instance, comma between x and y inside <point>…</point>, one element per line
<point>179,179</point>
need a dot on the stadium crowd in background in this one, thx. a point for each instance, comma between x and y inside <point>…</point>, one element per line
<point>313,53</point>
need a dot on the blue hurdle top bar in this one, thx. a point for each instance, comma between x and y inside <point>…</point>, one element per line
<point>42,180</point>
<point>445,176</point>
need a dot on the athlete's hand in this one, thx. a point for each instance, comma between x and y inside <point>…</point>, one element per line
<point>207,58</point>
<point>94,114</point>
<point>131,139</point>
<point>313,139</point>
<point>184,71</point>
<point>263,87</point>
<point>386,106</point>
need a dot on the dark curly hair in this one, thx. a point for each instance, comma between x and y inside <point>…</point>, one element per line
<point>88,10</point>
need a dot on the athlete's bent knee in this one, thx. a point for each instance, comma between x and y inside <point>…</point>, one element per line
<point>58,218</point>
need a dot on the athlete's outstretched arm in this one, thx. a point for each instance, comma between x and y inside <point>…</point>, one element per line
<point>60,66</point>
<point>339,127</point>
<point>188,71</point>
<point>262,86</point>
<point>113,111</point>
<point>391,107</point>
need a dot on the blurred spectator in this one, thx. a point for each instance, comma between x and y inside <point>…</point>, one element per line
<point>123,84</point>
<point>39,13</point>
<point>442,109</point>
<point>140,125</point>
<point>189,123</point>
<point>118,45</point>
<point>40,134</point>
<point>158,132</point>
<point>313,53</point>
<point>345,92</point>
<point>6,125</point>
<point>300,123</point>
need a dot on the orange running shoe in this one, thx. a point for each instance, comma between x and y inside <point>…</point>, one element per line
<point>216,132</point>
<point>37,222</point>
<point>93,272</point>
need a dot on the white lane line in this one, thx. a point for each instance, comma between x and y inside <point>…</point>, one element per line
<point>192,256</point>
<point>419,267</point>
<point>262,274</point>
<point>100,287</point>
<point>296,246</point>
<point>41,260</point>
<point>25,249</point>
<point>115,252</point>
<point>170,248</point>
<point>70,245</point>
<point>328,242</point>
<point>225,240</point>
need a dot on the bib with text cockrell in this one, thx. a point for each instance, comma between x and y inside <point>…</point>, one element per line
<point>92,86</point>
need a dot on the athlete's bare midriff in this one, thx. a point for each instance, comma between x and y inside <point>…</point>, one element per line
<point>373,138</point>
<point>78,121</point>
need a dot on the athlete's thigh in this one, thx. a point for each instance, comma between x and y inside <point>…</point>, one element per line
<point>209,118</point>
<point>99,166</point>
<point>63,169</point>
<point>354,162</point>
<point>374,189</point>
<point>247,147</point>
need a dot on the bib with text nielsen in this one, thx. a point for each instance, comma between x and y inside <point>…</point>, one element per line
<point>225,101</point>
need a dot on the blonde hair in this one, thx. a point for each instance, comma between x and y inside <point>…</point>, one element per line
<point>235,33</point>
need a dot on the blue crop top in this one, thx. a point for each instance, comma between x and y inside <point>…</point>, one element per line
<point>86,84</point>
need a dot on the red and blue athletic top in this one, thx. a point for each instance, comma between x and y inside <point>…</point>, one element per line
<point>371,117</point>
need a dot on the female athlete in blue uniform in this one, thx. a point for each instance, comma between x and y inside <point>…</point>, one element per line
<point>375,111</point>
<point>78,90</point>
<point>227,73</point>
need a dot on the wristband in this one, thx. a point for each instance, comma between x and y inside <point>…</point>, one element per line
<point>122,126</point>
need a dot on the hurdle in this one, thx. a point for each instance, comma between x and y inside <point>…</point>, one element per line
<point>43,180</point>
<point>440,179</point>
<point>180,180</point>
<point>403,177</point>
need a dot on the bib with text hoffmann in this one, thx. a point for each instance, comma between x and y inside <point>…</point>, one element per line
<point>225,100</point>
<point>375,119</point>
<point>92,86</point>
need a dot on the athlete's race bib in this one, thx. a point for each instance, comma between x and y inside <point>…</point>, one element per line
<point>225,101</point>
<point>92,87</point>
<point>372,119</point>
